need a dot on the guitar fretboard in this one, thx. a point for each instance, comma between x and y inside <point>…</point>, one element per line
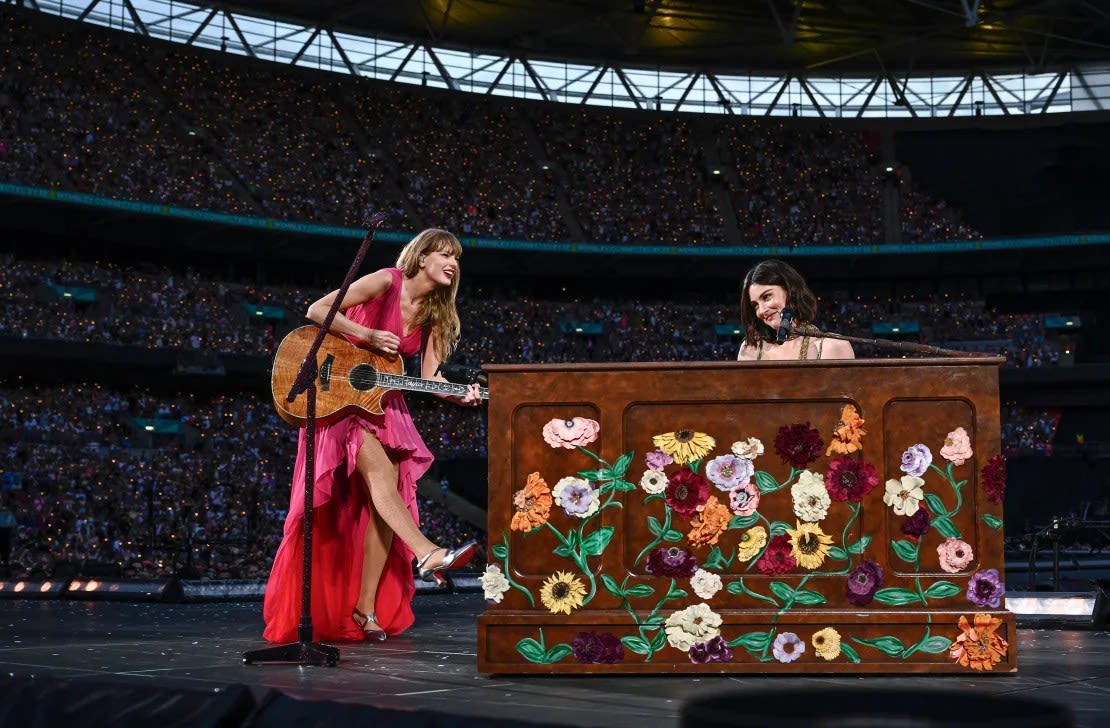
<point>416,384</point>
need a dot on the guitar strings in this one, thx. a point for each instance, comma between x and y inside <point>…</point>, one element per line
<point>367,379</point>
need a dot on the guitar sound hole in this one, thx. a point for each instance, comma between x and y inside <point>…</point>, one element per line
<point>364,377</point>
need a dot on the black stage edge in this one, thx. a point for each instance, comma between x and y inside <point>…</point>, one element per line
<point>106,655</point>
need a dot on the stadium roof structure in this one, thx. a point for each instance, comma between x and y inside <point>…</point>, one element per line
<point>837,36</point>
<point>824,58</point>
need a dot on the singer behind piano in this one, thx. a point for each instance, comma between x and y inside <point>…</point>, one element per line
<point>777,310</point>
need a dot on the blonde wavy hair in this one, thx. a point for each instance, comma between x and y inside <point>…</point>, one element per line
<point>438,308</point>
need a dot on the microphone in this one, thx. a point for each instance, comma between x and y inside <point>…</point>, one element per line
<point>786,321</point>
<point>460,374</point>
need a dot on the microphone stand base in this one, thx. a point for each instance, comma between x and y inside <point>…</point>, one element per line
<point>303,653</point>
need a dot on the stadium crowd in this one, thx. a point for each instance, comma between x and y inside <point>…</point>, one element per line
<point>87,109</point>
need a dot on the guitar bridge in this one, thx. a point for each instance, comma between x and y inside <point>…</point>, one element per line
<point>325,372</point>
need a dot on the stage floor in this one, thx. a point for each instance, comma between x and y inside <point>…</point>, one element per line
<point>189,646</point>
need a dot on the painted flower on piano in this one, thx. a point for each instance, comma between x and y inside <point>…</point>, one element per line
<point>570,433</point>
<point>957,447</point>
<point>847,433</point>
<point>533,504</point>
<point>685,446</point>
<point>979,646</point>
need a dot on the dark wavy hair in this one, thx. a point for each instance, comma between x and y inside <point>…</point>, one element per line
<point>774,272</point>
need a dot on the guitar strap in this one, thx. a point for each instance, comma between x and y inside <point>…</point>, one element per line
<point>425,330</point>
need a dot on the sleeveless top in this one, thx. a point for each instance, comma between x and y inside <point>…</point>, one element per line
<point>803,352</point>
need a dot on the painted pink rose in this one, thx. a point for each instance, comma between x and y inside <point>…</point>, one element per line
<point>955,555</point>
<point>957,447</point>
<point>577,432</point>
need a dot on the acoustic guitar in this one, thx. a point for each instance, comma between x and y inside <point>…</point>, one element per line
<point>349,379</point>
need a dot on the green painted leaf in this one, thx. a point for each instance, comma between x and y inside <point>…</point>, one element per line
<point>897,597</point>
<point>611,586</point>
<point>640,590</point>
<point>778,528</point>
<point>562,550</point>
<point>694,465</point>
<point>992,521</point>
<point>743,521</point>
<point>906,550</point>
<point>936,645</point>
<point>849,652</point>
<point>659,641</point>
<point>942,590</point>
<point>673,535</point>
<point>636,644</point>
<point>782,590</point>
<point>530,650</point>
<point>888,645</point>
<point>736,587</point>
<point>946,527</point>
<point>500,551</point>
<point>654,622</point>
<point>765,482</point>
<point>676,593</point>
<point>623,485</point>
<point>837,554</point>
<point>621,466</point>
<point>595,543</point>
<point>594,475</point>
<point>557,652</point>
<point>752,641</point>
<point>654,526</point>
<point>715,559</point>
<point>860,546</point>
<point>936,505</point>
<point>808,597</point>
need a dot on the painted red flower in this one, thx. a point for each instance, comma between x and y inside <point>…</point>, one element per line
<point>777,559</point>
<point>993,479</point>
<point>848,479</point>
<point>798,445</point>
<point>687,493</point>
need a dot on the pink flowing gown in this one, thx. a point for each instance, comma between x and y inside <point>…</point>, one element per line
<point>341,510</point>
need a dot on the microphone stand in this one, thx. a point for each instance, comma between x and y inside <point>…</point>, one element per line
<point>904,346</point>
<point>304,650</point>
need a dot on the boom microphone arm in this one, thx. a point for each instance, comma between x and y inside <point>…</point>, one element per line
<point>904,346</point>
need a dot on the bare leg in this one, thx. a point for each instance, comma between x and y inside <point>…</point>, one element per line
<point>380,475</point>
<point>375,550</point>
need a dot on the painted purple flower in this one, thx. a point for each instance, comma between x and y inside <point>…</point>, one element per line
<point>728,471</point>
<point>657,460</point>
<point>993,479</point>
<point>576,496</point>
<point>916,525</point>
<point>715,650</point>
<point>598,648</point>
<point>788,647</point>
<point>863,582</point>
<point>985,589</point>
<point>671,561</point>
<point>916,460</point>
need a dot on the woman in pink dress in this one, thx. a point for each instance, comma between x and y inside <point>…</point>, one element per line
<point>366,525</point>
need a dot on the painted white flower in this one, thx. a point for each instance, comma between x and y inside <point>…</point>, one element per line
<point>705,583</point>
<point>654,481</point>
<point>750,448</point>
<point>810,496</point>
<point>576,496</point>
<point>693,625</point>
<point>494,584</point>
<point>904,495</point>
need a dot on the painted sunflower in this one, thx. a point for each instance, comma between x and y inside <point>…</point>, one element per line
<point>685,446</point>
<point>826,643</point>
<point>562,592</point>
<point>809,545</point>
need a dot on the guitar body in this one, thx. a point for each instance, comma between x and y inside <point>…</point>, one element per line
<point>346,380</point>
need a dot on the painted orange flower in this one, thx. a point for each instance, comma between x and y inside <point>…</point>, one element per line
<point>533,504</point>
<point>980,647</point>
<point>848,433</point>
<point>710,523</point>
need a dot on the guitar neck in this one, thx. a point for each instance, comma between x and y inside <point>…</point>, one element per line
<point>431,386</point>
